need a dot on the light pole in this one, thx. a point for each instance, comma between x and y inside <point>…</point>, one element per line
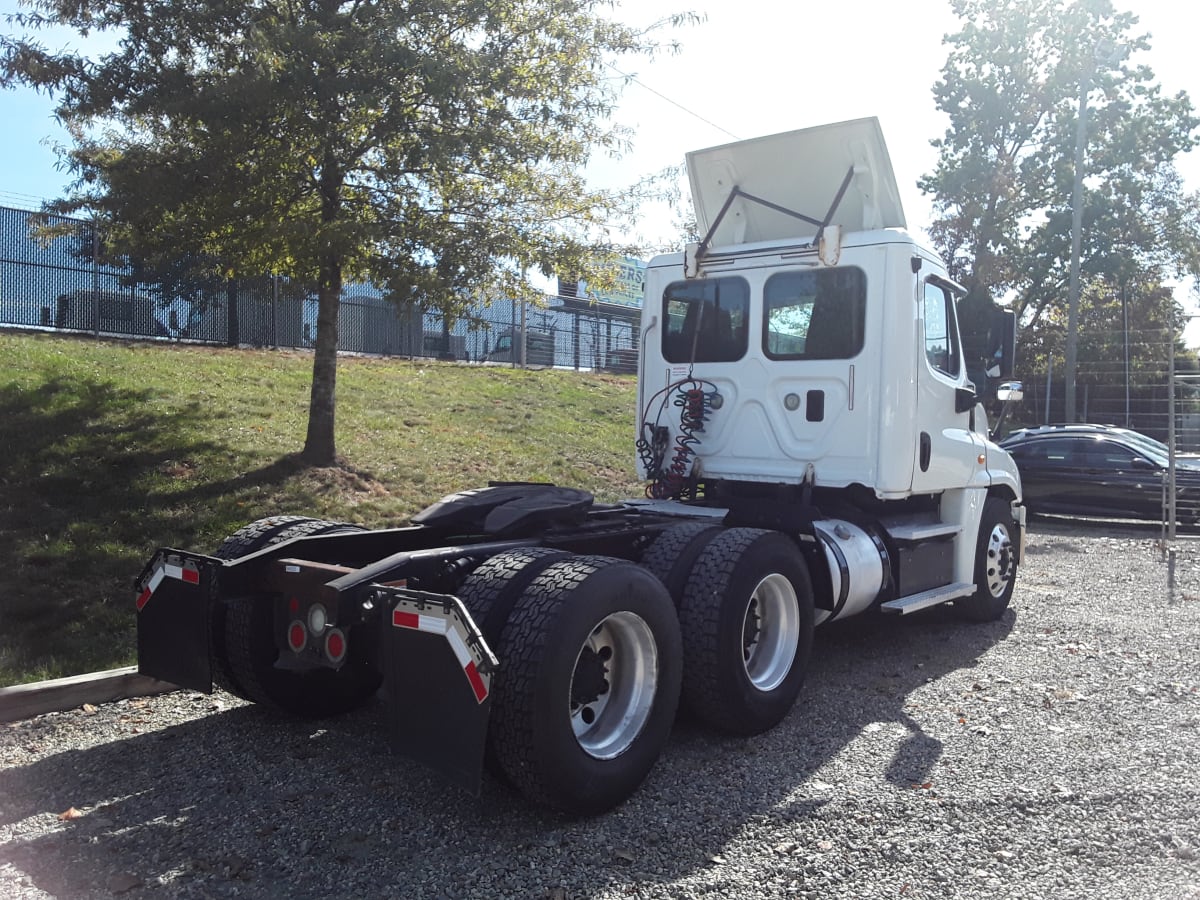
<point>1105,53</point>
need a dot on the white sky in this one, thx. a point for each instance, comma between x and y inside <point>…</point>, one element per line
<point>758,67</point>
<point>753,67</point>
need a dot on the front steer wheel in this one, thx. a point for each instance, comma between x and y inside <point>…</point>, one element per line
<point>587,692</point>
<point>995,564</point>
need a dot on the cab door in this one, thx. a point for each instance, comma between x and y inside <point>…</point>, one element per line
<point>948,449</point>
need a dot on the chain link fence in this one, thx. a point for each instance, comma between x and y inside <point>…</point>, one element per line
<point>54,276</point>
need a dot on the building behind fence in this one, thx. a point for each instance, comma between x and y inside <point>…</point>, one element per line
<point>63,283</point>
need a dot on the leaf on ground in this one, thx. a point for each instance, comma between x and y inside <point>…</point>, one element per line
<point>69,815</point>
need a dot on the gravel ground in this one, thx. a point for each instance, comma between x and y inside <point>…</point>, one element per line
<point>1051,754</point>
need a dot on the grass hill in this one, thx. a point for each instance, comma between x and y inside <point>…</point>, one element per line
<point>109,450</point>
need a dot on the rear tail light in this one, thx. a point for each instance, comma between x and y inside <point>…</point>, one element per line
<point>297,636</point>
<point>335,645</point>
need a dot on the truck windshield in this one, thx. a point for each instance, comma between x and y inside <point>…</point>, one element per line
<point>814,314</point>
<point>705,320</point>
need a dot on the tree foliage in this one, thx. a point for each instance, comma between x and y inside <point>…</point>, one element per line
<point>1002,187</point>
<point>434,148</point>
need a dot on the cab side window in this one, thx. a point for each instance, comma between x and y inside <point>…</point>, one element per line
<point>941,331</point>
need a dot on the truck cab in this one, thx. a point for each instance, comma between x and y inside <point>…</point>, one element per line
<point>810,343</point>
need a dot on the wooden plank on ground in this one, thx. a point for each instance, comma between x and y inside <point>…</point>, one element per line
<point>23,701</point>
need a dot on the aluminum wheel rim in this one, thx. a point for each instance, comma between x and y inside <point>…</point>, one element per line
<point>622,655</point>
<point>1000,563</point>
<point>770,632</point>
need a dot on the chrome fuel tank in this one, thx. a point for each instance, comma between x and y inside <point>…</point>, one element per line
<point>858,567</point>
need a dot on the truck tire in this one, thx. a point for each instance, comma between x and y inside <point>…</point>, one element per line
<point>671,557</point>
<point>253,537</point>
<point>310,694</point>
<point>587,690</point>
<point>747,624</point>
<point>490,592</point>
<point>995,564</point>
<point>246,540</point>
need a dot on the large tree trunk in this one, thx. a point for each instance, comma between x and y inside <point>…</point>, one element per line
<point>319,446</point>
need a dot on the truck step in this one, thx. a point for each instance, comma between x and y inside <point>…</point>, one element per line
<point>932,597</point>
<point>922,531</point>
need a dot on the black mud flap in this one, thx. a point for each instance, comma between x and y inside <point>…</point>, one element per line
<point>174,595</point>
<point>437,682</point>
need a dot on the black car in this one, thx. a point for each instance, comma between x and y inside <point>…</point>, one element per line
<point>1104,471</point>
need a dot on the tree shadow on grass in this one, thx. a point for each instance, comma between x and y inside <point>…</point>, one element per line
<point>90,475</point>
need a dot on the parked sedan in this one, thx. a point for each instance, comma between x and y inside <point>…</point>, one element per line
<point>1098,471</point>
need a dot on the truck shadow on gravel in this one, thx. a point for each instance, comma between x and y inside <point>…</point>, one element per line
<point>236,801</point>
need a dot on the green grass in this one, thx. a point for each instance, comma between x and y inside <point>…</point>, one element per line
<point>110,450</point>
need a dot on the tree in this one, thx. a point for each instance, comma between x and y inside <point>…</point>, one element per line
<point>432,147</point>
<point>1003,182</point>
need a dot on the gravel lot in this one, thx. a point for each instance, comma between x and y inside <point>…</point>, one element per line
<point>1052,754</point>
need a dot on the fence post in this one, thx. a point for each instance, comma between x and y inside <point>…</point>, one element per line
<point>231,298</point>
<point>1171,431</point>
<point>1049,379</point>
<point>96,276</point>
<point>520,354</point>
<point>575,340</point>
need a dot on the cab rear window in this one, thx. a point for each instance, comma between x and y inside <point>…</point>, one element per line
<point>814,314</point>
<point>705,320</point>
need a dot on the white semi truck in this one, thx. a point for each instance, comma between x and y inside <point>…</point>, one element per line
<point>812,447</point>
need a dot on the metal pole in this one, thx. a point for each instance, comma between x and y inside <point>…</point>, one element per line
<point>1171,431</point>
<point>1076,242</point>
<point>1125,317</point>
<point>96,276</point>
<point>522,351</point>
<point>1049,379</point>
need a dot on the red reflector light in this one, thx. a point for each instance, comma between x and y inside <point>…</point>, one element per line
<point>293,606</point>
<point>297,636</point>
<point>335,645</point>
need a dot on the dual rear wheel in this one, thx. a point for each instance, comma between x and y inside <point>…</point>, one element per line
<point>745,606</point>
<point>589,680</point>
<point>243,643</point>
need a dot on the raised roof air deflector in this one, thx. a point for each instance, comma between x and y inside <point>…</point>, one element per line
<point>801,171</point>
